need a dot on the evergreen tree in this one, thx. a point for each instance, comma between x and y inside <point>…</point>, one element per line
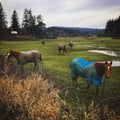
<point>40,26</point>
<point>28,22</point>
<point>15,24</point>
<point>3,22</point>
<point>113,28</point>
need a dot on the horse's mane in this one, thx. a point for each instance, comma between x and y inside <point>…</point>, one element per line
<point>100,68</point>
<point>16,53</point>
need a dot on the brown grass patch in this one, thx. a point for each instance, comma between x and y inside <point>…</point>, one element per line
<point>31,99</point>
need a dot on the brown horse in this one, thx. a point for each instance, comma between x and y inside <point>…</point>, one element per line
<point>43,42</point>
<point>71,44</point>
<point>62,49</point>
<point>26,57</point>
<point>92,72</point>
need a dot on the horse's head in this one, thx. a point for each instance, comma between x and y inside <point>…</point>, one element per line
<point>9,54</point>
<point>12,53</point>
<point>103,68</point>
<point>108,68</point>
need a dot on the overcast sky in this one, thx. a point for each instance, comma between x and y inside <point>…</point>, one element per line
<point>71,13</point>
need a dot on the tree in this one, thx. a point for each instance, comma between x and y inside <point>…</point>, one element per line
<point>113,28</point>
<point>32,25</point>
<point>28,23</point>
<point>3,22</point>
<point>40,26</point>
<point>15,24</point>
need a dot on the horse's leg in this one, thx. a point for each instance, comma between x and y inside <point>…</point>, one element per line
<point>74,81</point>
<point>59,51</point>
<point>40,67</point>
<point>21,69</point>
<point>97,90</point>
<point>35,64</point>
<point>63,52</point>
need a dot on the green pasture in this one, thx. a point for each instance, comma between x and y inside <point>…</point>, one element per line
<point>56,67</point>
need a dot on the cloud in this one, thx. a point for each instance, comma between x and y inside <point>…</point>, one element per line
<point>79,13</point>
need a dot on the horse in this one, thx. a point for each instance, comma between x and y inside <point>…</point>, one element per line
<point>43,42</point>
<point>24,57</point>
<point>71,44</point>
<point>62,49</point>
<point>92,72</point>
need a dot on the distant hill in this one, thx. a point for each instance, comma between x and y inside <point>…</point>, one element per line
<point>56,31</point>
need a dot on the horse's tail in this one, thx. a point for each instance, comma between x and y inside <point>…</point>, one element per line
<point>40,57</point>
<point>40,63</point>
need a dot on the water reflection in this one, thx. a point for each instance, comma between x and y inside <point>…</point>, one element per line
<point>106,52</point>
<point>90,45</point>
<point>110,53</point>
<point>116,63</point>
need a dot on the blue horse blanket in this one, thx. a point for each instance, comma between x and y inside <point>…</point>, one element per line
<point>85,69</point>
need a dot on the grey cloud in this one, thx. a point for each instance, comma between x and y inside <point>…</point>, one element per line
<point>52,9</point>
<point>95,5</point>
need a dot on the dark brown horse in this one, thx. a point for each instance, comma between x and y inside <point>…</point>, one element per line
<point>26,57</point>
<point>71,44</point>
<point>62,49</point>
<point>92,72</point>
<point>43,42</point>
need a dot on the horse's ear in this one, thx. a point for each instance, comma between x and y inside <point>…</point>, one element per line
<point>105,62</point>
<point>111,63</point>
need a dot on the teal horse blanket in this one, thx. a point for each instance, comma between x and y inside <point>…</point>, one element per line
<point>85,69</point>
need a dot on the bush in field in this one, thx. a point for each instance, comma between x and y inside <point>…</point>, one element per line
<point>33,98</point>
<point>95,112</point>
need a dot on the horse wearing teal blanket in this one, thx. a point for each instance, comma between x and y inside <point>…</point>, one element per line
<point>92,72</point>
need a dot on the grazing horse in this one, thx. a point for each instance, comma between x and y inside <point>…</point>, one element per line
<point>43,42</point>
<point>92,72</point>
<point>26,57</point>
<point>62,49</point>
<point>71,44</point>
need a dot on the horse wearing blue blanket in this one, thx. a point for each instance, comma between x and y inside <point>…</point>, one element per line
<point>92,72</point>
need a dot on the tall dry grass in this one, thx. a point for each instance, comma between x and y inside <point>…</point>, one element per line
<point>100,112</point>
<point>33,99</point>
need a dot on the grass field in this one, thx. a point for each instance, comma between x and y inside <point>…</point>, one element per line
<point>56,68</point>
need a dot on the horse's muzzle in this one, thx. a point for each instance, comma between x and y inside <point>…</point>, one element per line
<point>107,77</point>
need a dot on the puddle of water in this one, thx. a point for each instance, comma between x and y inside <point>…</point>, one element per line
<point>115,63</point>
<point>110,53</point>
<point>101,47</point>
<point>106,52</point>
<point>90,45</point>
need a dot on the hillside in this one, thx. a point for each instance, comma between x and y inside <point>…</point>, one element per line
<point>57,31</point>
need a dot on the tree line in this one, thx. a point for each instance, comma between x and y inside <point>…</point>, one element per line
<point>113,27</point>
<point>34,26</point>
<point>31,25</point>
<point>55,32</point>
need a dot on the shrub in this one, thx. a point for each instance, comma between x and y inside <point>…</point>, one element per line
<point>95,112</point>
<point>33,99</point>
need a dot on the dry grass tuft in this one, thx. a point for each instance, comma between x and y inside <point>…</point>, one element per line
<point>33,99</point>
<point>100,113</point>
